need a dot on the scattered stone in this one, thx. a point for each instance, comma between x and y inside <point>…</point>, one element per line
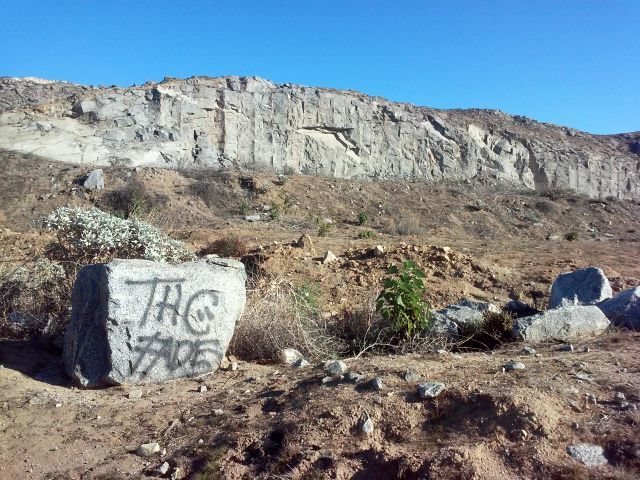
<point>327,380</point>
<point>233,366</point>
<point>509,366</point>
<point>257,217</point>
<point>411,376</point>
<point>563,323</point>
<point>567,347</point>
<point>164,468</point>
<point>586,286</point>
<point>302,363</point>
<point>367,427</point>
<point>430,389</point>
<point>137,321</point>
<point>135,394</point>
<point>529,351</point>
<point>619,397</point>
<point>306,244</point>
<point>289,356</point>
<point>377,251</point>
<point>588,454</point>
<point>176,474</point>
<point>95,180</point>
<point>377,384</point>
<point>335,368</point>
<point>217,412</point>
<point>624,309</point>
<point>353,377</point>
<point>202,388</point>
<point>591,398</point>
<point>328,257</point>
<point>148,449</point>
<point>224,363</point>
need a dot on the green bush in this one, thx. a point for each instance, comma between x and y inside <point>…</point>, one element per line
<point>363,218</point>
<point>367,234</point>
<point>324,228</point>
<point>401,301</point>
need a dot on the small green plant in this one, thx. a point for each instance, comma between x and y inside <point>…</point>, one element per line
<point>571,236</point>
<point>324,228</point>
<point>288,170</point>
<point>275,211</point>
<point>363,218</point>
<point>287,202</point>
<point>366,234</point>
<point>244,208</point>
<point>401,301</point>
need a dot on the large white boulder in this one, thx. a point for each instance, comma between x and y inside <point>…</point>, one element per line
<point>564,323</point>
<point>137,321</point>
<point>623,310</point>
<point>586,286</point>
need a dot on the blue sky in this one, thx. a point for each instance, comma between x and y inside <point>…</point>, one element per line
<point>570,62</point>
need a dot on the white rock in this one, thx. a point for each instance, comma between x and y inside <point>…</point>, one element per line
<point>328,257</point>
<point>430,389</point>
<point>588,454</point>
<point>148,449</point>
<point>289,356</point>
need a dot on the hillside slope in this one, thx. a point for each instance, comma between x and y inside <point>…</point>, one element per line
<point>255,124</point>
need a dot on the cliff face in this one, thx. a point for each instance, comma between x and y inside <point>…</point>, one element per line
<point>255,124</point>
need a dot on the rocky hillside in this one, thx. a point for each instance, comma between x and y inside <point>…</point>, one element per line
<point>255,124</point>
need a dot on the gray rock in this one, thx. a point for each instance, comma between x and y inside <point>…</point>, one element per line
<point>587,286</point>
<point>564,324</point>
<point>148,449</point>
<point>509,366</point>
<point>335,368</point>
<point>257,217</point>
<point>377,384</point>
<point>567,347</point>
<point>479,305</point>
<point>623,310</point>
<point>619,397</point>
<point>377,251</point>
<point>367,427</point>
<point>136,321</point>
<point>430,389</point>
<point>529,351</point>
<point>202,388</point>
<point>411,376</point>
<point>95,180</point>
<point>328,257</point>
<point>302,363</point>
<point>441,325</point>
<point>289,356</point>
<point>588,454</point>
<point>164,468</point>
<point>353,377</point>
<point>466,318</point>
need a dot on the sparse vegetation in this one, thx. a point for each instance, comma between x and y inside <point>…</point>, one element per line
<point>571,236</point>
<point>132,201</point>
<point>324,228</point>
<point>363,218</point>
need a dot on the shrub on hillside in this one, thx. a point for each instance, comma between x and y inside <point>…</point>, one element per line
<point>133,200</point>
<point>90,236</point>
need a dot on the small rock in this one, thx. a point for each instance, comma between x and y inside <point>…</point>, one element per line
<point>591,398</point>
<point>95,180</point>
<point>148,449</point>
<point>202,388</point>
<point>353,377</point>
<point>200,441</point>
<point>135,394</point>
<point>164,468</point>
<point>411,376</point>
<point>233,366</point>
<point>327,380</point>
<point>302,363</point>
<point>378,251</point>
<point>567,347</point>
<point>588,454</point>
<point>328,257</point>
<point>224,363</point>
<point>367,427</point>
<point>509,366</point>
<point>377,384</point>
<point>586,349</point>
<point>430,389</point>
<point>176,474</point>
<point>289,356</point>
<point>335,367</point>
<point>217,412</point>
<point>529,351</point>
<point>619,397</point>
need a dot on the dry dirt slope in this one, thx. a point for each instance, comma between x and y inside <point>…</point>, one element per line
<point>287,425</point>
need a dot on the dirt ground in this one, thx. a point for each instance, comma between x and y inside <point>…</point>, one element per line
<point>278,422</point>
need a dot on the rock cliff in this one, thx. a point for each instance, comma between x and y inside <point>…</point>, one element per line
<point>255,124</point>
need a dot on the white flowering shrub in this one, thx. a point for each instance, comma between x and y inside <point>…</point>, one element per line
<point>90,236</point>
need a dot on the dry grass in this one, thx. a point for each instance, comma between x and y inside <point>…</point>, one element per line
<point>231,246</point>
